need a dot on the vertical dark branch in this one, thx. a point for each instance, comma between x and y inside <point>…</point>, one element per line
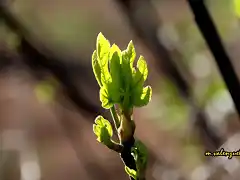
<point>212,38</point>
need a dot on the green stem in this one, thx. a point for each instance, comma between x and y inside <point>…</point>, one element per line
<point>115,117</point>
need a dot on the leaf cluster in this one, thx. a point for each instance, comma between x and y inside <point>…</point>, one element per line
<point>120,82</point>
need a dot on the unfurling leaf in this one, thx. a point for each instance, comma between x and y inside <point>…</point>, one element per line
<point>140,74</point>
<point>131,53</point>
<point>103,130</point>
<point>131,172</point>
<point>115,71</point>
<point>96,68</point>
<point>105,98</point>
<point>103,49</point>
<point>128,57</point>
<point>142,96</point>
<point>142,66</point>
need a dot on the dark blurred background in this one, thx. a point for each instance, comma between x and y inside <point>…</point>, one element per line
<point>49,97</point>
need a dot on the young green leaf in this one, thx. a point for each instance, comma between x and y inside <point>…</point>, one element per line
<point>131,53</point>
<point>142,66</point>
<point>103,130</point>
<point>115,71</point>
<point>128,57</point>
<point>96,68</point>
<point>103,49</point>
<point>142,96</point>
<point>107,103</point>
<point>131,172</point>
<point>140,74</point>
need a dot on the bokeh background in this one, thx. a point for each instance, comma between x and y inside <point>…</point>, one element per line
<point>47,108</point>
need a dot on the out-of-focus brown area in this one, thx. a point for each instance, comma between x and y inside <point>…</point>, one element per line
<point>48,104</point>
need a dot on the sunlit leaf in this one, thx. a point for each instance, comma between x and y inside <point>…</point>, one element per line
<point>105,98</point>
<point>142,97</point>
<point>128,57</point>
<point>96,68</point>
<point>115,71</point>
<point>142,66</point>
<point>103,130</point>
<point>140,74</point>
<point>103,49</point>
